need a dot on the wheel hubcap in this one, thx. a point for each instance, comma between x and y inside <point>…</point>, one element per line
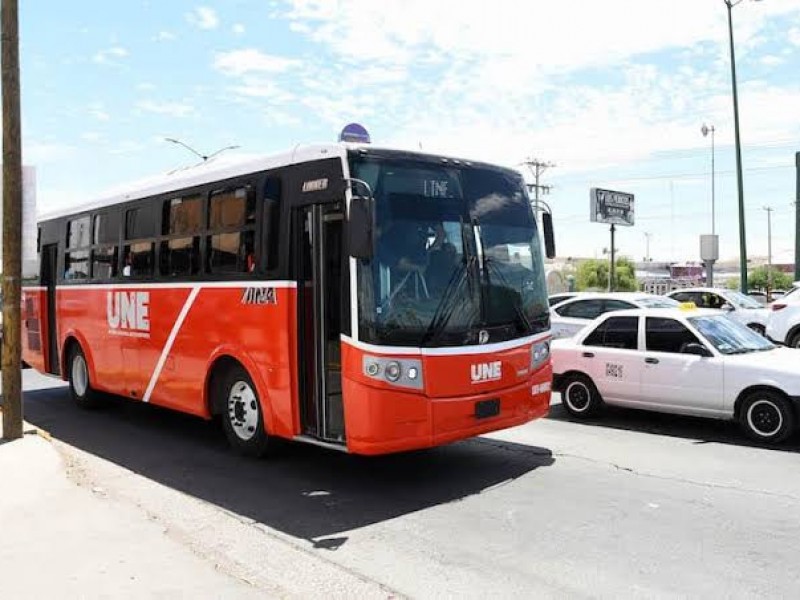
<point>764,418</point>
<point>80,376</point>
<point>243,410</point>
<point>578,396</point>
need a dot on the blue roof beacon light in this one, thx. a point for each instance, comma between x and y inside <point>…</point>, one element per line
<point>354,133</point>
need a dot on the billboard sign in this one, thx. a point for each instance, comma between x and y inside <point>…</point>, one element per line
<point>613,208</point>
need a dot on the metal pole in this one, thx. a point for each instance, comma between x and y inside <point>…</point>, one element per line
<point>713,191</point>
<point>797,221</point>
<point>611,270</point>
<point>12,222</point>
<point>742,238</point>
<point>769,251</point>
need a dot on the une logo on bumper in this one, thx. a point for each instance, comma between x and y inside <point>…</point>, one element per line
<point>482,372</point>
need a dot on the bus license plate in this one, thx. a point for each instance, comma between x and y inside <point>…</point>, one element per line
<point>487,408</point>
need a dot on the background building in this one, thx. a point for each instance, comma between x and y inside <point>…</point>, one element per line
<point>30,260</point>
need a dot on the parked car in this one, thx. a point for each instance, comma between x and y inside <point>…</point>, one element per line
<point>570,316</point>
<point>554,299</point>
<point>684,361</point>
<point>758,296</point>
<point>742,308</point>
<point>783,324</point>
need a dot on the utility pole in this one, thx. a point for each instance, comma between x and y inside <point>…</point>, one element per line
<point>797,220</point>
<point>12,221</point>
<point>537,168</point>
<point>647,236</point>
<point>769,251</point>
<point>742,235</point>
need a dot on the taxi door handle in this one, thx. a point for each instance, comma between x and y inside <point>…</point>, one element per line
<point>588,355</point>
<point>652,361</point>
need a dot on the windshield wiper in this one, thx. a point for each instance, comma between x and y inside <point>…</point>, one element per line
<point>446,307</point>
<point>487,262</point>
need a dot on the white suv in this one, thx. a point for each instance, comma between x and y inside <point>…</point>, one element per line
<point>783,325</point>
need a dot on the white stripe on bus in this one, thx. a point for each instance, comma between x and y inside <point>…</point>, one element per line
<point>446,351</point>
<point>180,285</point>
<point>170,341</point>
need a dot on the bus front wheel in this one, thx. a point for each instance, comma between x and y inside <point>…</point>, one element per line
<point>80,387</point>
<point>242,416</point>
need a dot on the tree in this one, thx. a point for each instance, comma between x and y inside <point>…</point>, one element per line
<point>593,275</point>
<point>759,278</point>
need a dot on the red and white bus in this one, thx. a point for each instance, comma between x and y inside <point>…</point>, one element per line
<point>364,299</point>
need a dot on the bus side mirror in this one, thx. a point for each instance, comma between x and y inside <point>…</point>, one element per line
<point>359,227</point>
<point>549,236</point>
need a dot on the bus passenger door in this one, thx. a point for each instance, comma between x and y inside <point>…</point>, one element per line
<point>48,322</point>
<point>318,236</point>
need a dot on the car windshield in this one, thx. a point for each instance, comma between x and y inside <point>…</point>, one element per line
<point>741,301</point>
<point>457,252</point>
<point>729,336</point>
<point>657,302</point>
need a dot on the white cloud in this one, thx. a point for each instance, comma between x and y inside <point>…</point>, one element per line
<point>98,111</point>
<point>238,29</point>
<point>165,36</point>
<point>172,109</point>
<point>794,36</point>
<point>109,55</point>
<point>145,86</point>
<point>240,62</point>
<point>91,136</point>
<point>770,60</point>
<point>203,17</point>
<point>38,153</point>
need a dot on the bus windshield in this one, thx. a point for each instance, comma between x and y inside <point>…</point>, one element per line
<point>456,253</point>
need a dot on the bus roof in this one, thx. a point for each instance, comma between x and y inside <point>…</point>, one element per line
<point>219,169</point>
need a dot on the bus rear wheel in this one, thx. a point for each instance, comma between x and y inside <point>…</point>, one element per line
<point>242,417</point>
<point>80,387</point>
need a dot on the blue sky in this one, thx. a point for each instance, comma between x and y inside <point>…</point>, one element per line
<point>614,93</point>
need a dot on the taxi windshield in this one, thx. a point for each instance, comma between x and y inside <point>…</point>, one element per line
<point>729,336</point>
<point>742,301</point>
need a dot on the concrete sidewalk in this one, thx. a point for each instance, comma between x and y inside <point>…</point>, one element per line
<point>61,540</point>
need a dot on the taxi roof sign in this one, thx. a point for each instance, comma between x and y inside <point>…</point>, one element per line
<point>687,306</point>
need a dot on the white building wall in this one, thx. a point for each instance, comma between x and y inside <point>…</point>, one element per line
<point>30,259</point>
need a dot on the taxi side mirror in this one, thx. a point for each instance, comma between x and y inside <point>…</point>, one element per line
<point>695,349</point>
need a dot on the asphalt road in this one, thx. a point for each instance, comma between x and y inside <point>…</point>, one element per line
<point>631,505</point>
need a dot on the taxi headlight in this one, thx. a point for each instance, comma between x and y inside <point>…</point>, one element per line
<point>540,352</point>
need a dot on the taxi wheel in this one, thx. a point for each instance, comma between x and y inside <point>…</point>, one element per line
<point>794,342</point>
<point>78,375</point>
<point>580,397</point>
<point>767,416</point>
<point>242,417</point>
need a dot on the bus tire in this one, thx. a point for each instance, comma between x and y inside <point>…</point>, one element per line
<point>242,417</point>
<point>766,416</point>
<point>80,387</point>
<point>580,397</point>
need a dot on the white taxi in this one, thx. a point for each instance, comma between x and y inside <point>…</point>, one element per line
<point>684,360</point>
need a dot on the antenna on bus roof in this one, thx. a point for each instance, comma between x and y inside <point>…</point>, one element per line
<point>196,153</point>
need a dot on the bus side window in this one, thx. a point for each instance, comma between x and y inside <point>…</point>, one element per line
<point>271,221</point>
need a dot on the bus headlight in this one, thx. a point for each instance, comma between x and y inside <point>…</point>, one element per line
<point>403,372</point>
<point>393,371</point>
<point>540,352</point>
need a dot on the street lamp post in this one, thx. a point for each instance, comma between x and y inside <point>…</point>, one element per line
<point>709,244</point>
<point>705,130</point>
<point>742,240</point>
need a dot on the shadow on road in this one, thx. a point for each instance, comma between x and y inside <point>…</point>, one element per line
<point>305,491</point>
<point>703,431</point>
